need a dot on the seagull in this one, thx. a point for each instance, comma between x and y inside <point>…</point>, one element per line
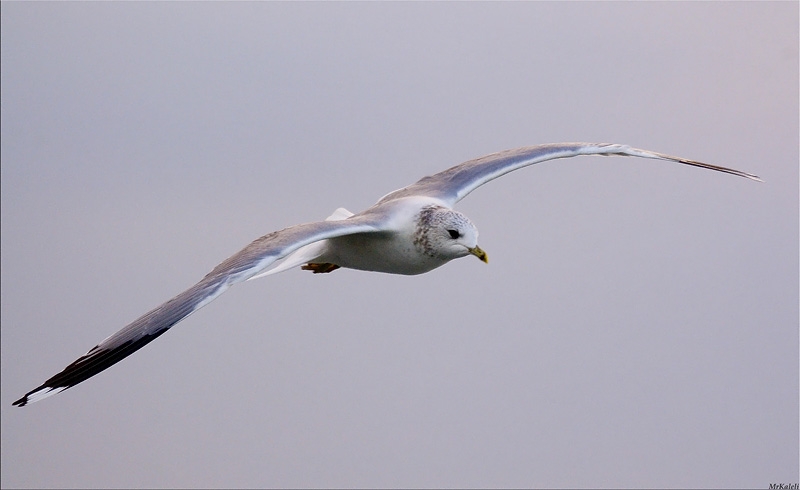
<point>410,231</point>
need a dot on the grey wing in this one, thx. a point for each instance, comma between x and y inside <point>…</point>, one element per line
<point>239,267</point>
<point>455,183</point>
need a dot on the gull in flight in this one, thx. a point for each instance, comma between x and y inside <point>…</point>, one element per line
<point>409,231</point>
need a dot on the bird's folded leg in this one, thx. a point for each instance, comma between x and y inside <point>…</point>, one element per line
<point>320,268</point>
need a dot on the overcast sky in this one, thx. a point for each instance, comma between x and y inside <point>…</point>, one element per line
<point>637,325</point>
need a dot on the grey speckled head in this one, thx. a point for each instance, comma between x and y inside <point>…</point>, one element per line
<point>446,234</point>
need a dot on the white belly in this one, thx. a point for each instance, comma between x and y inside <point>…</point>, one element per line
<point>391,252</point>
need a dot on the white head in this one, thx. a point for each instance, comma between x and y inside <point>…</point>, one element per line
<point>446,234</point>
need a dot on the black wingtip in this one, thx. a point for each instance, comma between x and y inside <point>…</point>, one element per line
<point>27,398</point>
<point>39,393</point>
<point>94,362</point>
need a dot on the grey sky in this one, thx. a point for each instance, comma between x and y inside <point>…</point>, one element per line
<point>637,325</point>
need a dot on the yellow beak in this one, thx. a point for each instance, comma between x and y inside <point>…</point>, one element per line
<point>477,252</point>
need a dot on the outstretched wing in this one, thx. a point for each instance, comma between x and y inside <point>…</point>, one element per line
<point>248,262</point>
<point>455,183</point>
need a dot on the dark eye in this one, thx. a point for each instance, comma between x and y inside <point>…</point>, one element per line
<point>454,234</point>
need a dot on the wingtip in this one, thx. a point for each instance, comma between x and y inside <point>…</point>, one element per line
<point>624,150</point>
<point>739,173</point>
<point>38,394</point>
<point>756,178</point>
<point>746,175</point>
